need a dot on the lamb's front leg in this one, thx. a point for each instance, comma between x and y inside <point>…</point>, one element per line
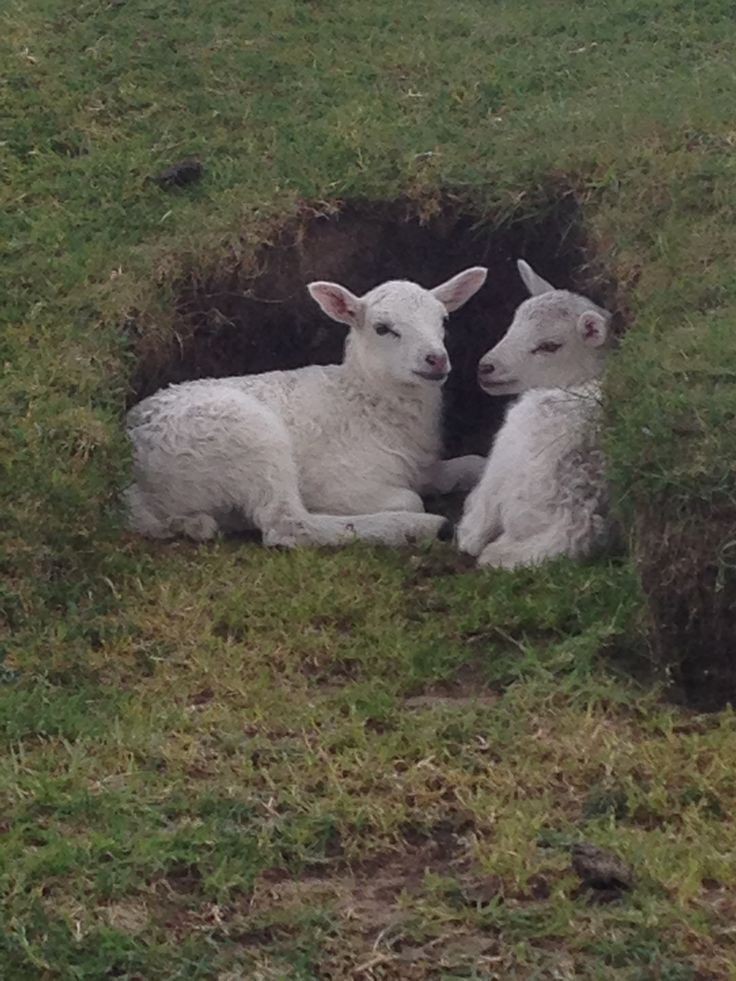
<point>462,473</point>
<point>510,553</point>
<point>481,520</point>
<point>503,553</point>
<point>397,499</point>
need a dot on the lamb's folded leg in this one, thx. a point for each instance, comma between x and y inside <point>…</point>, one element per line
<point>510,553</point>
<point>481,521</point>
<point>461,473</point>
<point>385,528</point>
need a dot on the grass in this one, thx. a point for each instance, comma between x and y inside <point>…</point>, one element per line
<point>226,763</point>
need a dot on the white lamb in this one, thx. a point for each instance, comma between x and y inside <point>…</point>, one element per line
<point>316,455</point>
<point>544,491</point>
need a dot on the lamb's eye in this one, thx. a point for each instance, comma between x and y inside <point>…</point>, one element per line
<point>383,329</point>
<point>547,347</point>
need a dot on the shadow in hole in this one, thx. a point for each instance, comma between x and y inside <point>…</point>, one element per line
<point>235,323</point>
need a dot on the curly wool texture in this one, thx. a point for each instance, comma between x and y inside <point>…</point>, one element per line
<point>316,455</point>
<point>544,491</point>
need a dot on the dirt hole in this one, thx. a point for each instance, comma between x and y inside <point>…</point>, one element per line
<point>235,321</point>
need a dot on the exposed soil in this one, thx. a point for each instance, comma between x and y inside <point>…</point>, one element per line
<point>238,322</point>
<point>373,921</point>
<point>689,576</point>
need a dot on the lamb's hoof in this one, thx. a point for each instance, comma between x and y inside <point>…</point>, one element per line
<point>470,539</point>
<point>198,527</point>
<point>447,531</point>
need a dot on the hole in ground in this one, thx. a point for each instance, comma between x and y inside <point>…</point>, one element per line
<point>236,322</point>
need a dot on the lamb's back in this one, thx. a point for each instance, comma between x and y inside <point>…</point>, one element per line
<point>550,446</point>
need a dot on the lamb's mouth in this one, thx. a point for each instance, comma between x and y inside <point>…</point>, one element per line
<point>490,386</point>
<point>432,375</point>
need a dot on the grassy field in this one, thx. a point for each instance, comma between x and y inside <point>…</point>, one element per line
<point>219,762</point>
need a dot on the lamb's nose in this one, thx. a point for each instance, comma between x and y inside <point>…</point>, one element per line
<point>438,361</point>
<point>486,368</point>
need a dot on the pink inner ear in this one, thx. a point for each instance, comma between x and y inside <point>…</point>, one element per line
<point>590,329</point>
<point>340,304</point>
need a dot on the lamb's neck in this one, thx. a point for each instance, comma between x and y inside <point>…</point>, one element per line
<point>423,401</point>
<point>596,374</point>
<point>592,375</point>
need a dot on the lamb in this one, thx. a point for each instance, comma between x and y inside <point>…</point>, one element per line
<point>544,491</point>
<point>316,455</point>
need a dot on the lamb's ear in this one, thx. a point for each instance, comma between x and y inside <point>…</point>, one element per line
<point>460,288</point>
<point>337,302</point>
<point>593,328</point>
<point>534,283</point>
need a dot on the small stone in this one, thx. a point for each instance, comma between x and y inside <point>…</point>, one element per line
<point>600,868</point>
<point>177,175</point>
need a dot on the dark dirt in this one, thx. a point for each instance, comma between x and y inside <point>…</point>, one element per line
<point>179,174</point>
<point>373,923</point>
<point>689,576</point>
<point>600,868</point>
<point>467,686</point>
<point>237,323</point>
<point>368,890</point>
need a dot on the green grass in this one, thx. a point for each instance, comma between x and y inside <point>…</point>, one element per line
<point>226,763</point>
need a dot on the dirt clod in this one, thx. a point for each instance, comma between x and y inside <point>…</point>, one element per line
<point>600,868</point>
<point>177,175</point>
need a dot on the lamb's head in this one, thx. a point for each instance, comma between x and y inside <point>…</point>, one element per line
<point>557,339</point>
<point>398,328</point>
